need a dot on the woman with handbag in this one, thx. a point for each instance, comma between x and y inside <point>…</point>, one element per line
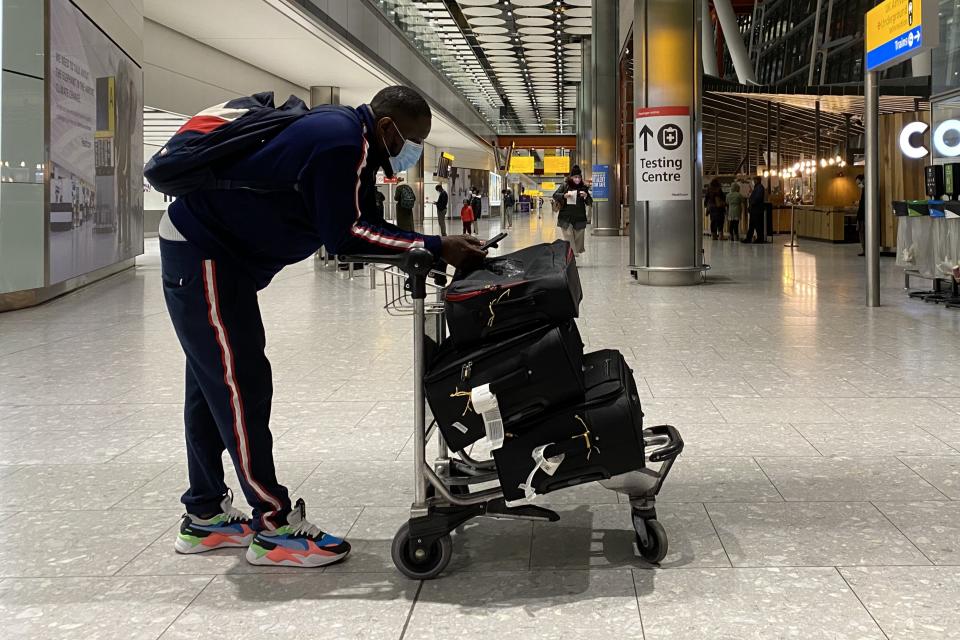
<point>573,197</point>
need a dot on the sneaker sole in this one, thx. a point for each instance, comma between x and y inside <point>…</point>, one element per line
<point>185,548</point>
<point>308,562</point>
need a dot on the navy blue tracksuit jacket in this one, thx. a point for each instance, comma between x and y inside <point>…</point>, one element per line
<point>236,242</point>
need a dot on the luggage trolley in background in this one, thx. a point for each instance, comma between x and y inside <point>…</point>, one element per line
<point>443,500</point>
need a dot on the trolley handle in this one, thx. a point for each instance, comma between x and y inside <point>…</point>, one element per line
<point>674,442</point>
<point>415,262</point>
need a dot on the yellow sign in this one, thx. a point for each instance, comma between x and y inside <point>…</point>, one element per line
<point>895,32</point>
<point>449,156</point>
<point>890,19</point>
<point>521,164</point>
<point>533,193</point>
<point>548,186</point>
<point>556,164</point>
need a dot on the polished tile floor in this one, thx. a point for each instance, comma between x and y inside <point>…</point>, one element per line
<point>819,496</point>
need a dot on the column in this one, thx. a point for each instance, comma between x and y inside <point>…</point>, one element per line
<point>666,236</point>
<point>731,35</point>
<point>871,136</point>
<point>324,95</point>
<point>585,136</point>
<point>708,42</point>
<point>606,208</point>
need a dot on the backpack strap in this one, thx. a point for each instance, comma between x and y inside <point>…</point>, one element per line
<point>254,185</point>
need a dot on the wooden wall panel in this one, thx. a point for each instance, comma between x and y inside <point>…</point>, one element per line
<point>901,178</point>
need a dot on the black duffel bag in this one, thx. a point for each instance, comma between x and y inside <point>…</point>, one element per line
<point>530,374</point>
<point>598,439</point>
<point>534,286</point>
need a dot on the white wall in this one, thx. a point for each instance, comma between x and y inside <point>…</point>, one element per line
<point>122,19</point>
<point>470,159</point>
<point>185,76</point>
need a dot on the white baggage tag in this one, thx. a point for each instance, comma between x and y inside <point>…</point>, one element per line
<point>485,403</point>
<point>549,467</point>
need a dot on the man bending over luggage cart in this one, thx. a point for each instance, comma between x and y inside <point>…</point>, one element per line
<point>219,246</point>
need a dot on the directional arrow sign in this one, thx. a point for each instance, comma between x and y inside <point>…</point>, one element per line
<point>645,134</point>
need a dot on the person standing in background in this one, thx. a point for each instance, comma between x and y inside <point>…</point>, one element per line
<point>574,197</point>
<point>379,204</point>
<point>442,200</point>
<point>758,199</point>
<point>467,217</point>
<point>734,209</point>
<point>716,207</point>
<point>406,199</point>
<point>508,204</point>
<point>476,203</point>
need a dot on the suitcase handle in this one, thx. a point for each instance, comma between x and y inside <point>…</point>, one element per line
<point>514,379</point>
<point>529,299</point>
<point>580,443</point>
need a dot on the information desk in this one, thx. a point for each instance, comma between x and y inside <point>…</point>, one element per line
<point>829,224</point>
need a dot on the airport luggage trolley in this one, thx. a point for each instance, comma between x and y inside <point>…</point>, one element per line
<point>443,499</point>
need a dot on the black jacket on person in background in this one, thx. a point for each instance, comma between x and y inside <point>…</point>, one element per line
<point>477,205</point>
<point>573,214</point>
<point>758,198</point>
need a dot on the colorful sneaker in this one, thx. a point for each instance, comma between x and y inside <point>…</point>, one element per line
<point>297,544</point>
<point>229,528</point>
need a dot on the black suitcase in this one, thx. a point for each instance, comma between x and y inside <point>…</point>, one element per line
<point>534,286</point>
<point>599,439</point>
<point>529,373</point>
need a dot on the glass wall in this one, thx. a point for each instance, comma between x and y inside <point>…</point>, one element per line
<point>22,240</point>
<point>785,36</point>
<point>946,57</point>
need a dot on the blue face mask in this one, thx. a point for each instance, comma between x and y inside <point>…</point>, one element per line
<point>409,154</point>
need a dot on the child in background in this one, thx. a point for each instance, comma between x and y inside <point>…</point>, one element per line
<point>467,217</point>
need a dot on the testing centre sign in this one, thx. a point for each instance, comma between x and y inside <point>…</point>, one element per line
<point>662,148</point>
<point>897,30</point>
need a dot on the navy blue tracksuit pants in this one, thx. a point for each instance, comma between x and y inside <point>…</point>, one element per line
<point>229,385</point>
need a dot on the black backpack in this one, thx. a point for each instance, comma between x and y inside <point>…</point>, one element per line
<point>218,135</point>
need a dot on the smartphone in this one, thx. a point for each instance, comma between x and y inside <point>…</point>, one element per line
<point>494,241</point>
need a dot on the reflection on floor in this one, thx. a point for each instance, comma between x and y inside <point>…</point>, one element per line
<point>819,496</point>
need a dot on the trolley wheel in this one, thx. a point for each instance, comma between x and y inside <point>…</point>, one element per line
<point>655,549</point>
<point>420,563</point>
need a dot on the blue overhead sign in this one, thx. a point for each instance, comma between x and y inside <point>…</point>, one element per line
<point>896,49</point>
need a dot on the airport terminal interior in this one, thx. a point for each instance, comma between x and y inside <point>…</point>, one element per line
<point>771,242</point>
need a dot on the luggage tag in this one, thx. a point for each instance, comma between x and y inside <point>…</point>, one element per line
<point>485,403</point>
<point>493,314</point>
<point>540,463</point>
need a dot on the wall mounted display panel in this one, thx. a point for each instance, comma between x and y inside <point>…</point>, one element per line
<point>95,120</point>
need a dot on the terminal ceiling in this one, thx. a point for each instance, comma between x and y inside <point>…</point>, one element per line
<point>518,59</point>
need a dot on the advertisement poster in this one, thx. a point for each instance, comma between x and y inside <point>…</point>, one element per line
<point>95,116</point>
<point>601,183</point>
